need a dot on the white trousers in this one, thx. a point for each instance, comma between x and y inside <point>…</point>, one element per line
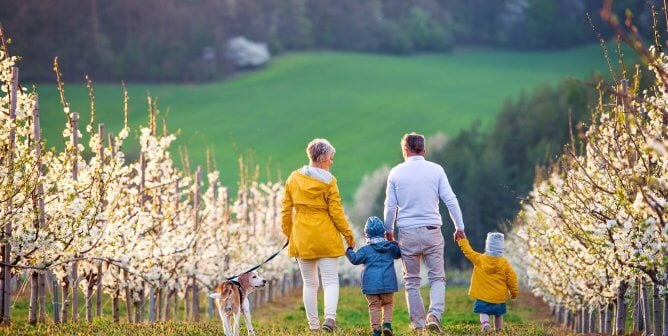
<point>329,273</point>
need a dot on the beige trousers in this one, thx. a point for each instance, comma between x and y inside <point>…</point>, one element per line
<point>380,309</point>
<point>416,245</point>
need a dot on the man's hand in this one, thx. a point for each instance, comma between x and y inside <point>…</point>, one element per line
<point>459,235</point>
<point>389,236</point>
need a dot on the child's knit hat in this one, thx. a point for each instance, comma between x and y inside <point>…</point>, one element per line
<point>374,230</point>
<point>494,244</point>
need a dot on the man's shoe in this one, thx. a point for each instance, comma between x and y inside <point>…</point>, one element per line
<point>387,329</point>
<point>376,333</point>
<point>433,324</point>
<point>329,325</point>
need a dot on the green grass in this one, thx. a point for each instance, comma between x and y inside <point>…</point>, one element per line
<point>362,103</point>
<point>287,317</point>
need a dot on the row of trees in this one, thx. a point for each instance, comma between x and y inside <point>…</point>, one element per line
<point>592,235</point>
<point>173,40</point>
<point>140,230</point>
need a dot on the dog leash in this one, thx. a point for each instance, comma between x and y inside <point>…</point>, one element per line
<point>262,263</point>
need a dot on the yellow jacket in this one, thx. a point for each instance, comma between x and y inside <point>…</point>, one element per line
<point>315,228</point>
<point>492,277</point>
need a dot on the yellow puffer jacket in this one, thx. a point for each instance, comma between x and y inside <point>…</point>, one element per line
<point>492,278</point>
<point>315,228</point>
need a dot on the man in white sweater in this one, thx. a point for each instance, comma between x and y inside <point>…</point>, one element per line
<point>414,189</point>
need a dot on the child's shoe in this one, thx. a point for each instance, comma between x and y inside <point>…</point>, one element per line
<point>485,327</point>
<point>387,329</point>
<point>376,333</point>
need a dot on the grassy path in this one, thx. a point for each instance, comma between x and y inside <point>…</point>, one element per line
<point>526,316</point>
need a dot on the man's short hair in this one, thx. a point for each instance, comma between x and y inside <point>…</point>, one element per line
<point>413,142</point>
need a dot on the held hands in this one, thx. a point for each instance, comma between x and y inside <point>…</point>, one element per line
<point>389,236</point>
<point>458,235</point>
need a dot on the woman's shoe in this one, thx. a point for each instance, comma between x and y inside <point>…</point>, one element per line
<point>376,333</point>
<point>329,325</point>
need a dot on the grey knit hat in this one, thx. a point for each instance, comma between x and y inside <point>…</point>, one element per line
<point>494,244</point>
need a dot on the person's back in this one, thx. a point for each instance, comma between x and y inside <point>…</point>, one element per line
<point>417,184</point>
<point>378,274</point>
<point>493,279</point>
<point>412,196</point>
<point>379,279</point>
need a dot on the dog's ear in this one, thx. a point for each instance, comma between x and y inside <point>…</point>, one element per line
<point>244,280</point>
<point>215,296</point>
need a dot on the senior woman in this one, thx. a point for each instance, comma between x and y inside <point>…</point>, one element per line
<point>313,220</point>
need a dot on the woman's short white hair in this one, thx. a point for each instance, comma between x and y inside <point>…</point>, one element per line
<point>319,150</point>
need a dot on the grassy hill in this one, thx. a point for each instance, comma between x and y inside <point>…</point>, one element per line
<point>362,103</point>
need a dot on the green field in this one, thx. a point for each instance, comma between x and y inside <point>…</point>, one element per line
<point>362,103</point>
<point>526,316</point>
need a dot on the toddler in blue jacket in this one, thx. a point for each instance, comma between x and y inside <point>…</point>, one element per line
<point>379,280</point>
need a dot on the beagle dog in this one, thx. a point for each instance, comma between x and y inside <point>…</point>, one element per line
<point>232,299</point>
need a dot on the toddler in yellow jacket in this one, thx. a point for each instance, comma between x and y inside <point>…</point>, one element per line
<point>492,279</point>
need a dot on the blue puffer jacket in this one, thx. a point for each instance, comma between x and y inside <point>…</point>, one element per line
<point>378,275</point>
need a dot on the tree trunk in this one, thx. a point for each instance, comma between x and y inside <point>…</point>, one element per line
<point>114,306</point>
<point>7,232</point>
<point>665,316</point>
<point>55,288</point>
<point>64,310</point>
<point>142,304</point>
<point>129,301</point>
<point>176,305</point>
<point>42,298</point>
<point>152,312</point>
<point>186,303</point>
<point>620,318</point>
<point>559,313</point>
<point>645,308</point>
<point>168,300</point>
<point>137,305</point>
<point>74,120</point>
<point>195,308</point>
<point>160,302</point>
<point>609,315</point>
<point>656,308</point>
<point>34,292</point>
<point>75,291</point>
<point>89,299</point>
<point>98,302</point>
